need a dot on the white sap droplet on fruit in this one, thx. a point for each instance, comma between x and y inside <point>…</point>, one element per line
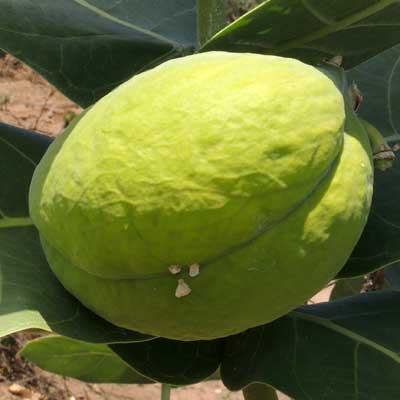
<point>194,270</point>
<point>174,269</point>
<point>182,289</point>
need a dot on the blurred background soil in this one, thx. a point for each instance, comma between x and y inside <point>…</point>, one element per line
<point>28,101</point>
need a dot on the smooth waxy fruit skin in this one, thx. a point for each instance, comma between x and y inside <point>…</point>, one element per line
<point>244,164</point>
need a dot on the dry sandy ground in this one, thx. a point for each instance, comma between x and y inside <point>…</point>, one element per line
<point>26,100</point>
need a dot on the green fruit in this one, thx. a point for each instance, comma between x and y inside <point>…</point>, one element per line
<point>239,163</point>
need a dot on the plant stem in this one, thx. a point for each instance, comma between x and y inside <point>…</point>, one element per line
<point>165,392</point>
<point>259,391</point>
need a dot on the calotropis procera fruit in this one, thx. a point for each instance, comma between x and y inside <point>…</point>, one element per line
<point>211,194</point>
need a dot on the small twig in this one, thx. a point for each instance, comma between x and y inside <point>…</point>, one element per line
<point>44,106</point>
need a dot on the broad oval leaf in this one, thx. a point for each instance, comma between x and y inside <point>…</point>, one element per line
<point>20,151</point>
<point>311,30</point>
<point>30,295</point>
<point>329,351</point>
<point>171,361</point>
<point>87,47</point>
<point>392,276</point>
<point>88,362</point>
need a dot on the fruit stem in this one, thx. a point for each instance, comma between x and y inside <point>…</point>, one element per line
<point>165,392</point>
<point>259,391</point>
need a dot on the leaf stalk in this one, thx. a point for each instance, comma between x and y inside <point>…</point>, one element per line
<point>165,392</point>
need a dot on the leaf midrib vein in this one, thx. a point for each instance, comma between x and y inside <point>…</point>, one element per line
<point>82,354</point>
<point>15,222</point>
<point>341,24</point>
<point>66,37</point>
<point>345,332</point>
<point>119,21</point>
<point>17,150</point>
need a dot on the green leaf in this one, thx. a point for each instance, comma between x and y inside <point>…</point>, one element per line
<point>88,362</point>
<point>87,47</point>
<point>378,79</point>
<point>20,151</point>
<point>392,276</point>
<point>211,17</point>
<point>171,361</point>
<point>311,30</point>
<point>347,287</point>
<point>30,295</point>
<point>330,351</point>
<point>382,279</point>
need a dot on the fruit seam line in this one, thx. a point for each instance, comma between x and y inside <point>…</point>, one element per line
<point>279,219</point>
<point>237,247</point>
